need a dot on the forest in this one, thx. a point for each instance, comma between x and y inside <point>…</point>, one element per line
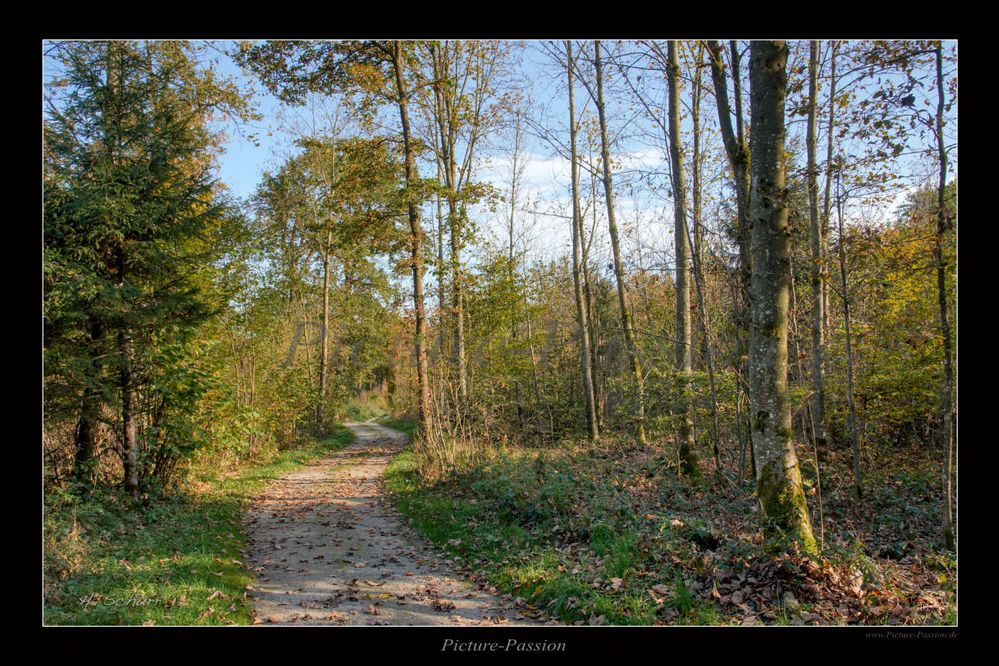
<point>497,332</point>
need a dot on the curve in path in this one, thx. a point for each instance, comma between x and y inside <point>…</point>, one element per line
<point>328,548</point>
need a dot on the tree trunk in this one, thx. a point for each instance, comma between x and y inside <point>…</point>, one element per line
<point>818,256</point>
<point>86,427</point>
<point>130,444</point>
<point>589,306</point>
<point>629,334</point>
<point>696,186</point>
<point>684,346</point>
<point>415,241</point>
<point>708,356</point>
<point>446,130</point>
<point>858,487</point>
<point>942,226</point>
<point>511,276</point>
<point>778,478</point>
<point>826,204</point>
<point>457,302</point>
<point>586,371</point>
<point>441,291</point>
<point>738,157</point>
<point>325,332</point>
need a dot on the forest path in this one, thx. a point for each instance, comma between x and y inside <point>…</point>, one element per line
<point>327,547</point>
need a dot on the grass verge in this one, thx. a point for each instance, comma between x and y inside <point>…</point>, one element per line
<point>612,536</point>
<point>175,561</point>
<point>407,426</point>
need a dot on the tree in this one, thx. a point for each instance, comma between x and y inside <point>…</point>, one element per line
<point>817,273</point>
<point>464,111</point>
<point>778,478</point>
<point>582,314</point>
<point>136,203</point>
<point>346,207</point>
<point>375,72</point>
<point>858,486</point>
<point>738,154</point>
<point>684,338</point>
<point>944,217</point>
<point>629,333</point>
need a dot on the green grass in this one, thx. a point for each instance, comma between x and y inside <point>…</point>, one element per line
<point>613,536</point>
<point>363,410</point>
<point>407,426</point>
<point>504,520</point>
<point>175,561</point>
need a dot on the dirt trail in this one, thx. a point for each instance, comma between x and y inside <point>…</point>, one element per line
<point>328,548</point>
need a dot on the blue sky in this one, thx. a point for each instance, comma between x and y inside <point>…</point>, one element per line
<point>643,205</point>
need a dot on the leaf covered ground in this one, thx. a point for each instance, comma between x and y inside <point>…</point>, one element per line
<point>612,535</point>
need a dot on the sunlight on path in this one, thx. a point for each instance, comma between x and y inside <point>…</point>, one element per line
<point>327,548</point>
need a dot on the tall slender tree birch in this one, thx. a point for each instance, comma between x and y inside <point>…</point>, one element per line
<point>684,341</point>
<point>629,333</point>
<point>394,51</point>
<point>778,477</point>
<point>696,168</point>
<point>739,161</point>
<point>858,487</point>
<point>943,223</point>
<point>585,367</point>
<point>817,273</point>
<point>826,199</point>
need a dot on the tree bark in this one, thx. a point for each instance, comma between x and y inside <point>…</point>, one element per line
<point>738,156</point>
<point>511,255</point>
<point>778,478</point>
<point>696,186</point>
<point>590,303</point>
<point>684,346</point>
<point>629,334</point>
<point>447,117</point>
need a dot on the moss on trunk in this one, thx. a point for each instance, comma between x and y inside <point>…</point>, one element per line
<point>784,503</point>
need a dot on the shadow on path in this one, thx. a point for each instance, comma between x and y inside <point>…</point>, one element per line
<point>327,548</point>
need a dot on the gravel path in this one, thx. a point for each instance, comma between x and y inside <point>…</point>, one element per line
<point>328,548</point>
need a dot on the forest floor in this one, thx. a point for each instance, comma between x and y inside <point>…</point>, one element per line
<point>326,549</point>
<point>612,535</point>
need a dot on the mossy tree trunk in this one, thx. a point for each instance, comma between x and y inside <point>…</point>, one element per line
<point>684,346</point>
<point>778,477</point>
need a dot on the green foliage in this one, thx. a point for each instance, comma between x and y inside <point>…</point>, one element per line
<point>139,240</point>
